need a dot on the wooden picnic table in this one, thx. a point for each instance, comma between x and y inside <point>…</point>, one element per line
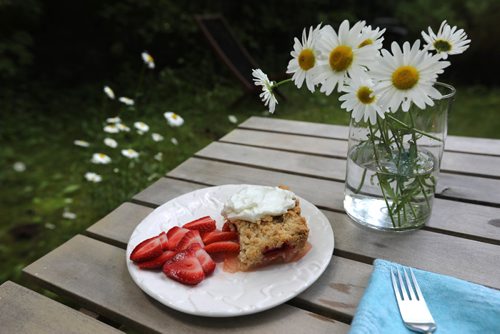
<point>462,238</point>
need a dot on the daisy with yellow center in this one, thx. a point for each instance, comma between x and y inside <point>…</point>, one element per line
<point>100,158</point>
<point>111,128</point>
<point>130,153</point>
<point>173,119</point>
<point>141,127</point>
<point>341,57</point>
<point>407,76</point>
<point>371,36</point>
<point>93,177</point>
<point>447,41</point>
<point>110,142</point>
<point>148,60</point>
<point>304,58</point>
<point>267,96</point>
<point>361,101</point>
<point>122,127</point>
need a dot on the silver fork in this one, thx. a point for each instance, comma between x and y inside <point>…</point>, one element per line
<point>411,303</point>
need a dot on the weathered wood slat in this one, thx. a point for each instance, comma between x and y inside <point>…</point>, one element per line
<point>25,311</point>
<point>453,143</point>
<point>447,215</point>
<point>106,287</point>
<point>470,188</point>
<point>454,162</point>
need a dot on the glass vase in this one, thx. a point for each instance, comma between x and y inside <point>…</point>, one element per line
<point>393,166</point>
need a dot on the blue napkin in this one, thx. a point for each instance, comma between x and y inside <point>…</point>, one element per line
<point>457,306</point>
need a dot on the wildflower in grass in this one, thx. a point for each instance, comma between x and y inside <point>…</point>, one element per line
<point>407,75</point>
<point>116,170</point>
<point>173,119</point>
<point>304,56</point>
<point>447,41</point>
<point>81,143</point>
<point>110,142</point>
<point>50,226</point>
<point>113,120</point>
<point>93,177</point>
<point>122,127</point>
<point>19,166</point>
<point>174,141</point>
<point>100,158</point>
<point>360,99</point>
<point>370,36</point>
<point>69,215</point>
<point>111,128</point>
<point>109,92</point>
<point>148,59</point>
<point>130,153</point>
<point>156,137</point>
<point>232,119</point>
<point>267,95</point>
<point>158,156</point>
<point>141,127</point>
<point>127,101</point>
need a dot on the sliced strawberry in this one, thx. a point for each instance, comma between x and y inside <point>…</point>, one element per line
<point>191,237</point>
<point>223,247</point>
<point>157,262</point>
<point>206,261</point>
<point>174,235</point>
<point>203,224</point>
<point>184,268</point>
<point>215,236</point>
<point>228,227</point>
<point>147,250</point>
<point>163,240</point>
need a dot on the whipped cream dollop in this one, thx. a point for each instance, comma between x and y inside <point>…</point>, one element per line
<point>251,203</point>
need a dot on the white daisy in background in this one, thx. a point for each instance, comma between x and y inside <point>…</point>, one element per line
<point>109,92</point>
<point>116,170</point>
<point>407,76</point>
<point>157,137</point>
<point>68,215</point>
<point>361,101</point>
<point>232,119</point>
<point>371,36</point>
<point>447,41</point>
<point>267,95</point>
<point>148,59</point>
<point>122,127</point>
<point>50,226</point>
<point>100,158</point>
<point>93,177</point>
<point>173,119</point>
<point>81,143</point>
<point>113,120</point>
<point>19,166</point>
<point>130,153</point>
<point>341,57</point>
<point>304,56</point>
<point>127,101</point>
<point>174,141</point>
<point>110,142</point>
<point>159,156</point>
<point>141,127</point>
<point>111,128</point>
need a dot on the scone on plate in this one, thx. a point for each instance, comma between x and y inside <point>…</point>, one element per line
<point>269,224</point>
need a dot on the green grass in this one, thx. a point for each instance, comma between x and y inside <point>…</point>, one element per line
<point>39,128</point>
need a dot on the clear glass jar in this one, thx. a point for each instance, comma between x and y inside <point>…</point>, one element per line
<point>393,166</point>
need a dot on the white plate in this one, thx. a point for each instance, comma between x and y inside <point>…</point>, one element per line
<point>224,294</point>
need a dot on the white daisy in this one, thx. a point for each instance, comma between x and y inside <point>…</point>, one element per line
<point>69,215</point>
<point>81,143</point>
<point>130,153</point>
<point>447,41</point>
<point>267,95</point>
<point>371,36</point>
<point>361,100</point>
<point>148,59</point>
<point>173,119</point>
<point>113,120</point>
<point>159,156</point>
<point>407,75</point>
<point>109,92</point>
<point>19,166</point>
<point>110,142</point>
<point>304,58</point>
<point>100,158</point>
<point>50,226</point>
<point>122,127</point>
<point>156,137</point>
<point>141,127</point>
<point>116,170</point>
<point>93,177</point>
<point>125,100</point>
<point>112,128</point>
<point>341,56</point>
<point>174,141</point>
<point>232,119</point>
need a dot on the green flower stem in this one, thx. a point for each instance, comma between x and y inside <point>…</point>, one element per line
<point>362,182</point>
<point>411,127</point>
<point>277,84</point>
